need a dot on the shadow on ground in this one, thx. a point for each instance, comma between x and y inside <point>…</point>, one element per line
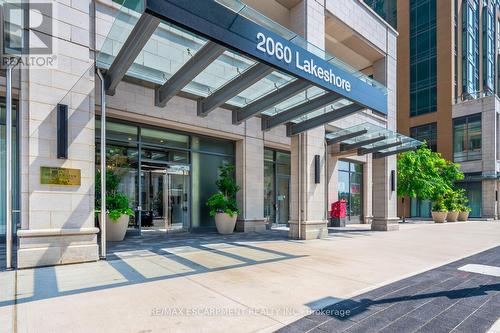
<point>151,257</point>
<point>444,299</point>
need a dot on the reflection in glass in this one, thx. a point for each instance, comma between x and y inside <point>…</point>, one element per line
<point>205,173</point>
<point>15,168</point>
<point>350,189</point>
<point>467,138</point>
<point>276,187</point>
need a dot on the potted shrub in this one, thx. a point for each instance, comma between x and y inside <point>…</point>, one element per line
<point>463,208</point>
<point>223,205</point>
<point>451,202</point>
<point>439,211</point>
<point>463,215</point>
<point>117,207</point>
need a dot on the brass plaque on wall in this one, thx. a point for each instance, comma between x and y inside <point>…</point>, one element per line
<point>60,176</point>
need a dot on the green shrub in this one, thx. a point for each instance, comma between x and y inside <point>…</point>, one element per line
<point>225,200</point>
<point>117,203</point>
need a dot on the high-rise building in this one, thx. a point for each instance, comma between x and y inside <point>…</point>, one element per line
<point>298,95</point>
<point>448,88</point>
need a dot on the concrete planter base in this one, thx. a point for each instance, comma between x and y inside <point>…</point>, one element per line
<point>463,216</point>
<point>115,230</point>
<point>439,217</point>
<point>225,223</point>
<point>452,216</point>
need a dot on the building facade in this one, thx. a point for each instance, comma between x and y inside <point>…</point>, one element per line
<point>448,92</point>
<point>188,102</point>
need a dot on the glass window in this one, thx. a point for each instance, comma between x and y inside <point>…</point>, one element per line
<point>350,189</point>
<point>117,131</point>
<point>269,191</point>
<point>474,192</point>
<point>15,168</point>
<point>211,145</point>
<point>163,138</point>
<point>470,52</point>
<point>427,132</point>
<point>269,154</point>
<point>205,172</point>
<point>122,160</point>
<point>170,155</point>
<point>467,138</point>
<point>276,186</point>
<point>423,75</point>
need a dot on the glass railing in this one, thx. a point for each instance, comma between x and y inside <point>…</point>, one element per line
<point>257,17</point>
<point>170,47</point>
<point>374,131</point>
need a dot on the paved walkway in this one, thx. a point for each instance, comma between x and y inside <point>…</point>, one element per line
<point>463,296</point>
<point>238,283</point>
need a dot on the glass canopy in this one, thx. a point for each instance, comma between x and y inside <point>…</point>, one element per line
<point>170,50</point>
<point>371,138</point>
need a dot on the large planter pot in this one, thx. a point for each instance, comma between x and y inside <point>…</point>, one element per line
<point>439,217</point>
<point>463,216</point>
<point>115,230</point>
<point>452,216</point>
<point>225,223</point>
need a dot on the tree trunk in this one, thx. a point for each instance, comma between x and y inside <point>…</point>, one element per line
<point>404,210</point>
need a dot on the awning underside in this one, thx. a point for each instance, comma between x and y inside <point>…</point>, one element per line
<point>369,138</point>
<point>143,47</point>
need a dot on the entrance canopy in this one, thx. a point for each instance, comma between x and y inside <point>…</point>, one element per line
<point>369,138</point>
<point>225,54</point>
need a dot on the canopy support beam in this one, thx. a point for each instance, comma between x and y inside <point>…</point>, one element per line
<point>345,147</point>
<point>135,42</point>
<point>397,151</point>
<point>299,110</point>
<point>269,100</point>
<point>346,137</point>
<point>306,125</point>
<point>194,66</point>
<point>233,88</point>
<point>364,151</point>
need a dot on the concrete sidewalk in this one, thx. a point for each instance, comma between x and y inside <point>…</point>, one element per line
<point>230,284</point>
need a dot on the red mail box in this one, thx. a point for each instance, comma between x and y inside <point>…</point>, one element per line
<point>338,209</point>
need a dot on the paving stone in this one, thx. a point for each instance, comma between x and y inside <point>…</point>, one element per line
<point>300,326</point>
<point>404,324</point>
<point>336,325</point>
<point>474,323</point>
<point>371,324</point>
<point>440,300</point>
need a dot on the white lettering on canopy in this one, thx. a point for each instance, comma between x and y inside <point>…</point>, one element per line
<point>283,53</point>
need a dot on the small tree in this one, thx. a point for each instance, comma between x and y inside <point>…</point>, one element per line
<point>225,200</point>
<point>426,175</point>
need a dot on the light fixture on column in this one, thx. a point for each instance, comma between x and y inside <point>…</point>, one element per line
<point>393,180</point>
<point>62,131</point>
<point>317,169</point>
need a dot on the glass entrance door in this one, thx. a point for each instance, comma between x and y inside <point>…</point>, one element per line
<point>350,188</point>
<point>165,197</point>
<point>282,199</point>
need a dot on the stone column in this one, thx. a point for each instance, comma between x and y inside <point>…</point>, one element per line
<point>489,204</point>
<point>250,178</point>
<point>367,191</point>
<point>489,156</point>
<point>384,199</point>
<point>58,220</point>
<point>308,205</point>
<point>310,212</point>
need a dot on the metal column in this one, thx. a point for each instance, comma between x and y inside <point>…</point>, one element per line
<point>8,171</point>
<point>103,166</point>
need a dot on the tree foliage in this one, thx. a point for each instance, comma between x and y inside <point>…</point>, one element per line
<point>225,200</point>
<point>424,174</point>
